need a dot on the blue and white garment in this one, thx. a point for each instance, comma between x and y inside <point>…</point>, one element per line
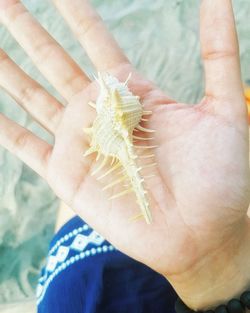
<point>84,273</point>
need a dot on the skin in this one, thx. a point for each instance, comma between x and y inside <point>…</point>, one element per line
<point>200,195</point>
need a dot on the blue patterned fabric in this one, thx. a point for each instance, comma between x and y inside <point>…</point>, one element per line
<point>84,273</point>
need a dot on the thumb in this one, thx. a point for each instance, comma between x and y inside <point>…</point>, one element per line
<point>220,54</point>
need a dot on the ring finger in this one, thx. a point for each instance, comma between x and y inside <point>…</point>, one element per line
<point>29,94</point>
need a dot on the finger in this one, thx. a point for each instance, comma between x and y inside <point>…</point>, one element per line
<point>50,58</point>
<point>220,52</point>
<point>90,30</point>
<point>29,148</point>
<point>29,94</point>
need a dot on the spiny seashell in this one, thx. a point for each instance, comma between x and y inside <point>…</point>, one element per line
<point>118,115</point>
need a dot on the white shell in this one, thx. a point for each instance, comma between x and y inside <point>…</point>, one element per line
<point>118,114</point>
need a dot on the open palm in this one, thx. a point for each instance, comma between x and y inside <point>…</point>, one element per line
<point>200,192</point>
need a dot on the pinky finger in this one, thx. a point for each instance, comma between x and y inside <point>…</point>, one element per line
<point>29,148</point>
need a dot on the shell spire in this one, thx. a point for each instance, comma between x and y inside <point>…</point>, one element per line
<point>119,113</point>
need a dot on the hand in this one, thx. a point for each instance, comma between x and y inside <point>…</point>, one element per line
<point>200,194</point>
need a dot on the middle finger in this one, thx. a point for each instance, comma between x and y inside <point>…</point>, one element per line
<point>49,57</point>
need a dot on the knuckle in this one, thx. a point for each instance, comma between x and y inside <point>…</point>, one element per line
<point>28,93</point>
<point>10,11</point>
<point>219,54</point>
<point>35,94</point>
<point>21,140</point>
<point>74,83</point>
<point>43,51</point>
<point>85,25</point>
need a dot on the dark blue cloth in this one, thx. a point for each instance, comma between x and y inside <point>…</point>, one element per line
<point>84,273</point>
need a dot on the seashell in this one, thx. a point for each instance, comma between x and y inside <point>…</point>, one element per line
<point>119,113</point>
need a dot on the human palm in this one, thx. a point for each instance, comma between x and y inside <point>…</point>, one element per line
<point>200,192</point>
<point>200,188</point>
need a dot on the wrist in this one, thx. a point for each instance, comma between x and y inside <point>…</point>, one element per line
<point>220,276</point>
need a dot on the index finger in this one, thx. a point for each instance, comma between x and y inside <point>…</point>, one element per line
<point>92,33</point>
